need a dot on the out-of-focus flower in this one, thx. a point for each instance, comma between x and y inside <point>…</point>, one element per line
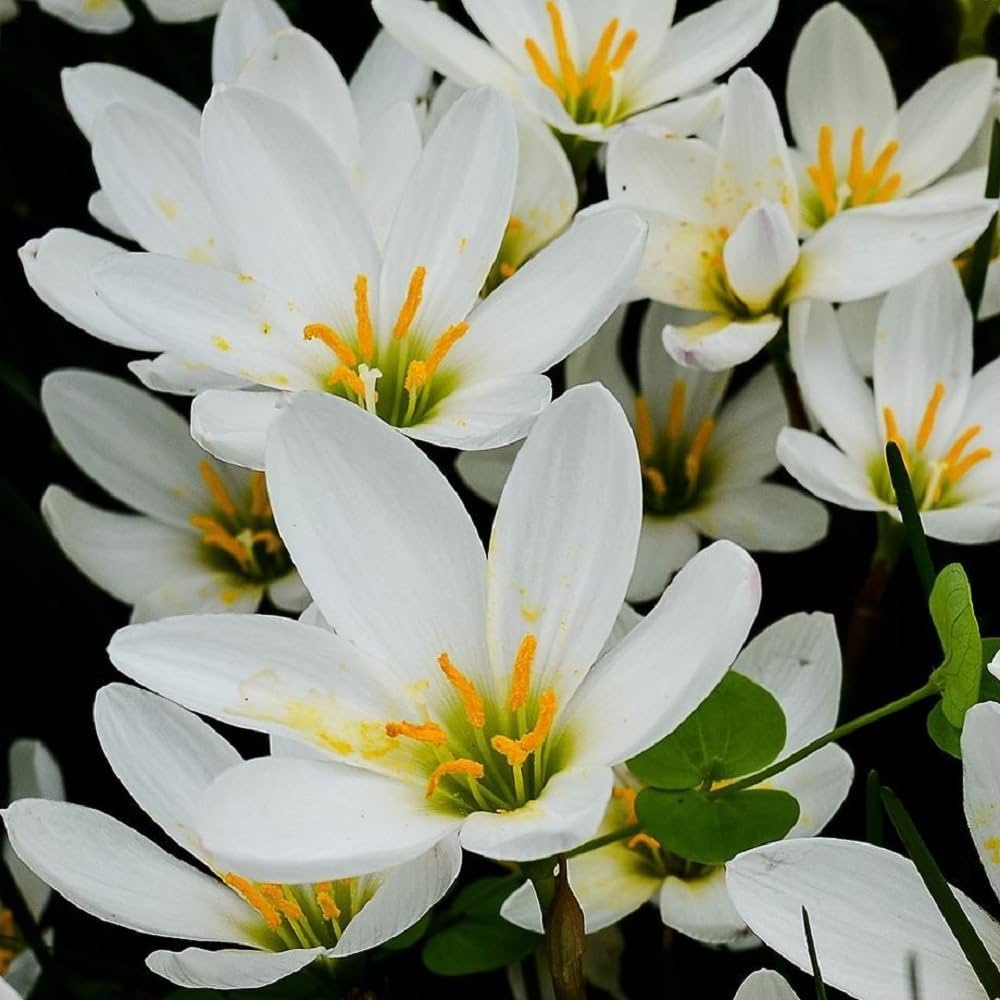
<point>585,68</point>
<point>926,399</point>
<point>765,985</point>
<point>723,231</point>
<point>166,758</point>
<point>105,17</point>
<point>311,302</point>
<point>204,539</point>
<point>467,693</point>
<point>797,660</point>
<point>703,462</point>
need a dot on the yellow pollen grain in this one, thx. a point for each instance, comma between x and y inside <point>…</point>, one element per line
<point>443,345</point>
<point>675,413</point>
<point>511,749</point>
<point>565,58</point>
<point>325,901</point>
<point>342,375</point>
<point>333,340</point>
<point>220,495</point>
<point>598,62</point>
<point>645,438</point>
<point>414,296</point>
<point>221,343</point>
<point>993,846</point>
<point>644,840</point>
<point>930,416</point>
<point>255,898</point>
<point>260,504</point>
<point>628,796</point>
<point>543,724</point>
<point>461,766</point>
<point>286,907</point>
<point>362,313</point>
<point>521,679</point>
<point>427,732</point>
<point>471,701</point>
<point>696,453</point>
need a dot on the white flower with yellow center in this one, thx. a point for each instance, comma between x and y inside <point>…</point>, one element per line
<point>154,188</point>
<point>166,758</point>
<point>105,17</point>
<point>311,302</point>
<point>872,917</point>
<point>797,660</point>
<point>204,538</point>
<point>704,463</point>
<point>856,146</point>
<point>945,419</point>
<point>464,692</point>
<point>723,231</point>
<point>583,67</point>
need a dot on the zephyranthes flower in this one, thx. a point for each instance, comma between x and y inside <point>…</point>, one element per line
<point>724,225</point>
<point>926,399</point>
<point>797,660</point>
<point>871,915</point>
<point>166,758</point>
<point>586,67</point>
<point>460,691</point>
<point>105,17</point>
<point>204,539</point>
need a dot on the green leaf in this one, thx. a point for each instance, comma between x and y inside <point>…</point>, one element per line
<point>738,729</point>
<point>958,630</point>
<point>813,960</point>
<point>912,525</point>
<point>947,737</point>
<point>711,829</point>
<point>409,937</point>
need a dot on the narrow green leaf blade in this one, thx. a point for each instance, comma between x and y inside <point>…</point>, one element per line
<point>913,526</point>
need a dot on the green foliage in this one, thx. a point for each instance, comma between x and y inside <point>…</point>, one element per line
<point>958,630</point>
<point>409,937</point>
<point>948,737</point>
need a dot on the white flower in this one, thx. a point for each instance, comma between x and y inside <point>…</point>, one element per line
<point>460,690</point>
<point>723,231</point>
<point>154,187</point>
<point>945,420</point>
<point>584,67</point>
<point>204,540</point>
<point>855,145</point>
<point>797,660</point>
<point>703,463</point>
<point>765,985</point>
<point>870,913</point>
<point>310,301</point>
<point>33,772</point>
<point>105,17</point>
<point>166,758</point>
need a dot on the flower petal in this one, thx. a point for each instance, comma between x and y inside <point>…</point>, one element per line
<point>760,255</point>
<point>102,211</point>
<point>966,524</point>
<point>233,425</point>
<point>765,985</point>
<point>719,345</point>
<point>107,19</point>
<point>485,472</point>
<point>387,75</point>
<point>981,784</point>
<point>288,593</point>
<point>701,909</point>
<point>665,545</point>
<point>168,373</point>
<point>205,592</point>
<point>229,968</point>
<point>242,26</point>
<point>819,784</point>
<point>598,360</point>
<point>742,447</point>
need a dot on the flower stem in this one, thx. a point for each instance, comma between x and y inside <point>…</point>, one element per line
<point>609,838</point>
<point>779,352</point>
<point>564,932</point>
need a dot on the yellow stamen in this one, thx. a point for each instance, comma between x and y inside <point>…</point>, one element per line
<point>892,429</point>
<point>628,43</point>
<point>362,312</point>
<point>645,437</point>
<point>521,681</point>
<point>888,190</point>
<point>270,539</point>
<point>443,345</point>
<point>470,768</point>
<point>342,375</point>
<point>216,536</point>
<point>874,178</point>
<point>255,898</point>
<point>333,340</point>
<point>675,415</point>
<point>427,732</point>
<point>930,416</point>
<point>286,907</point>
<point>644,840</point>
<point>414,296</point>
<point>9,935</point>
<point>325,901</point>
<point>696,453</point>
<point>657,481</point>
<point>598,62</point>
<point>543,70</point>
<point>543,724</point>
<point>824,173</point>
<point>260,504</point>
<point>416,376</point>
<point>220,495</point>
<point>979,455</point>
<point>628,796</point>
<point>566,64</point>
<point>955,452</point>
<point>471,701</point>
<point>511,749</point>
<point>856,172</point>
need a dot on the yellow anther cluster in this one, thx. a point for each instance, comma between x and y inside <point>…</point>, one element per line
<point>8,939</point>
<point>860,186</point>
<point>628,796</point>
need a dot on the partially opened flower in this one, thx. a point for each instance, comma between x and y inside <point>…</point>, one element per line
<point>583,67</point>
<point>105,17</point>
<point>872,917</point>
<point>166,758</point>
<point>856,146</point>
<point>703,462</point>
<point>765,985</point>
<point>797,660</point>
<point>203,538</point>
<point>724,225</point>
<point>310,301</point>
<point>926,399</point>
<point>466,693</point>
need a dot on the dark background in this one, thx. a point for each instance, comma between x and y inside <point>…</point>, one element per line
<point>57,624</point>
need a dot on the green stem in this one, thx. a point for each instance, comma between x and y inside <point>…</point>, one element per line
<point>609,838</point>
<point>982,251</point>
<point>813,960</point>
<point>909,512</point>
<point>780,358</point>
<point>976,16</point>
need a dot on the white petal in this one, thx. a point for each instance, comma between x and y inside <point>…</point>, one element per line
<point>981,785</point>
<point>171,374</point>
<point>742,447</point>
<point>719,345</point>
<point>665,545</point>
<point>115,874</point>
<point>564,541</point>
<point>865,950</point>
<point>58,268</point>
<point>666,666</point>
<point>181,11</point>
<point>376,821</point>
<point>568,811</point>
<point>289,593</point>
<point>400,569</point>
<point>233,425</point>
<point>407,892</point>
<point>523,910</point>
<point>819,784</point>
<point>765,985</point>
<point>858,321</point>
<point>107,19</point>
<point>242,26</point>
<point>123,554</point>
<point>153,468</point>
<point>967,524</point>
<point>229,968</point>
<point>387,75</point>
<point>204,592</point>
<point>598,360</point>
<point>701,908</point>
<point>693,115</point>
<point>485,472</point>
<point>102,211</point>
<point>760,255</point>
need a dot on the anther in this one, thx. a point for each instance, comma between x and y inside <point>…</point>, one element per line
<point>675,414</point>
<point>566,64</point>
<point>696,453</point>
<point>426,732</point>
<point>543,724</point>
<point>511,749</point>
<point>220,495</point>
<point>342,375</point>
<point>414,296</point>
<point>362,313</point>
<point>260,504</point>
<point>521,679</point>
<point>325,901</point>
<point>645,438</point>
<point>471,701</point>
<point>930,416</point>
<point>461,766</point>
<point>333,340</point>
<point>255,898</point>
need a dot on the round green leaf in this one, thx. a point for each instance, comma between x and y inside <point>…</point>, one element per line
<point>947,737</point>
<point>477,944</point>
<point>958,630</point>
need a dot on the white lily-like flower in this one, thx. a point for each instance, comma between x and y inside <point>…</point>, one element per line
<point>166,758</point>
<point>106,17</point>
<point>154,189</point>
<point>945,419</point>
<point>765,985</point>
<point>797,660</point>
<point>856,146</point>
<point>204,538</point>
<point>586,68</point>
<point>34,773</point>
<point>871,915</point>
<point>723,231</point>
<point>459,692</point>
<point>704,463</point>
<point>310,302</point>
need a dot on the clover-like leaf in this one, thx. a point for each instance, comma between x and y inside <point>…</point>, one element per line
<point>958,630</point>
